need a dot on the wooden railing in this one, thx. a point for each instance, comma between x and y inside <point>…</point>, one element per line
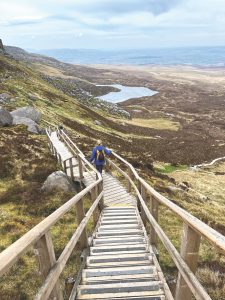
<point>193,231</point>
<point>40,238</point>
<point>82,163</point>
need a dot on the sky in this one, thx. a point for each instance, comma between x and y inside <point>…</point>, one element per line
<point>112,24</point>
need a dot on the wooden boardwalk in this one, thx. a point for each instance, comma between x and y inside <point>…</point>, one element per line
<point>120,264</point>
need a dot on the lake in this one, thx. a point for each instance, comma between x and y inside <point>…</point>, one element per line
<point>126,93</point>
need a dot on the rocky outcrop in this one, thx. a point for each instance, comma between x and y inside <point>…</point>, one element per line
<point>31,125</point>
<point>27,112</point>
<point>5,117</point>
<point>58,180</point>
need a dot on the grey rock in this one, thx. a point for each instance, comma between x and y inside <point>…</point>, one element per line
<point>183,186</point>
<point>4,97</point>
<point>31,125</point>
<point>42,131</point>
<point>175,189</point>
<point>27,112</point>
<point>137,110</point>
<point>98,122</point>
<point>204,198</point>
<point>58,180</point>
<point>5,117</point>
<point>33,97</point>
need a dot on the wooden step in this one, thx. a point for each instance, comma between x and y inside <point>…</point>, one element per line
<point>118,248</point>
<point>112,222</point>
<point>118,271</point>
<point>133,240</point>
<point>118,213</point>
<point>128,232</point>
<point>118,288</point>
<point>126,295</point>
<point>129,263</point>
<point>119,257</point>
<point>116,217</point>
<point>120,278</point>
<point>116,227</point>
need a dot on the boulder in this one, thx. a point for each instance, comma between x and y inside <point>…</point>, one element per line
<point>98,123</point>
<point>4,97</point>
<point>5,117</point>
<point>33,97</point>
<point>58,180</point>
<point>27,112</point>
<point>183,186</point>
<point>31,125</point>
<point>174,189</point>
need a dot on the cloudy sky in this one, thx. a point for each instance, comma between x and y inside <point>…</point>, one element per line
<point>112,24</point>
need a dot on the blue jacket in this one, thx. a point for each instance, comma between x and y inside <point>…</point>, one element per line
<point>94,155</point>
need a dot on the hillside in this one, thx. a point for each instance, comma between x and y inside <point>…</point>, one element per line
<point>160,146</point>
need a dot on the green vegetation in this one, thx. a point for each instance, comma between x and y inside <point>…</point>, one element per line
<point>169,168</point>
<point>159,123</point>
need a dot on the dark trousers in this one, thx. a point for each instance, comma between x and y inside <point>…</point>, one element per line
<point>99,168</point>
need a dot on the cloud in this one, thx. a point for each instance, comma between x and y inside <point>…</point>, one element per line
<point>156,7</point>
<point>123,22</point>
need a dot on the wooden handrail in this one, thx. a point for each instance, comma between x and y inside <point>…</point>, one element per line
<point>185,266</point>
<point>214,237</point>
<point>54,274</point>
<point>9,256</point>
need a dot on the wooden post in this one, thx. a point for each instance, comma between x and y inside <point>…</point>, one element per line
<point>144,196</point>
<point>64,166</point>
<point>138,201</point>
<point>71,168</point>
<point>80,216</point>
<point>128,181</point>
<point>154,205</point>
<point>80,167</point>
<point>46,257</point>
<point>100,189</point>
<point>60,159</point>
<point>93,198</point>
<point>190,243</point>
<point>54,152</point>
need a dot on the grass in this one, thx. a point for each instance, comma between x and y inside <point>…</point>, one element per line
<point>169,168</point>
<point>158,123</point>
<point>22,206</point>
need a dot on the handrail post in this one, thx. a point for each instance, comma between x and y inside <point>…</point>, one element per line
<point>128,181</point>
<point>100,189</point>
<point>144,197</point>
<point>154,205</point>
<point>94,195</point>
<point>138,200</point>
<point>71,168</point>
<point>46,257</point>
<point>80,167</point>
<point>65,167</point>
<point>190,243</point>
<point>80,216</point>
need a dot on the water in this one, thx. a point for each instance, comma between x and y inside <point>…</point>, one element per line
<point>126,93</point>
<point>197,56</point>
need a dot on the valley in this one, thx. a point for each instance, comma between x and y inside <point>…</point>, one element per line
<point>162,136</point>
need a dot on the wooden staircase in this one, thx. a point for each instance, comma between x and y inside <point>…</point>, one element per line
<point>120,265</point>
